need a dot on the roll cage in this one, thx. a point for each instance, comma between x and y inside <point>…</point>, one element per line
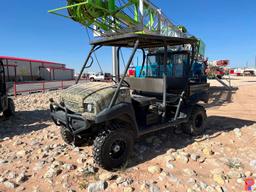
<point>143,42</point>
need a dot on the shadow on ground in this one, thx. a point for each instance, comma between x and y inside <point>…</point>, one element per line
<point>159,143</point>
<point>219,96</point>
<point>24,122</point>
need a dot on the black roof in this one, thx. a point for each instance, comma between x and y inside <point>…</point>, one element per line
<point>146,41</point>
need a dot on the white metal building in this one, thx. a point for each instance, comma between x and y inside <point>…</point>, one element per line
<point>20,69</point>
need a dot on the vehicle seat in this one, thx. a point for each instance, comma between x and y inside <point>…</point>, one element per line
<point>143,100</point>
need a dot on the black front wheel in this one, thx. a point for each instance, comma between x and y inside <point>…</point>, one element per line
<point>10,110</point>
<point>196,124</point>
<point>70,139</point>
<point>112,148</point>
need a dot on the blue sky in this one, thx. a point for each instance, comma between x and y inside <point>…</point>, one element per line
<point>228,28</point>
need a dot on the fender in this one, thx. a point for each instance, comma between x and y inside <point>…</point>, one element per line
<point>115,112</point>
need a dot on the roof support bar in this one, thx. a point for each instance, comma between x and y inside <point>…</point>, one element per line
<point>114,98</point>
<point>86,61</point>
<point>164,79</point>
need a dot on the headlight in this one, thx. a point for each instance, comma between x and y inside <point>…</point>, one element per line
<point>88,107</point>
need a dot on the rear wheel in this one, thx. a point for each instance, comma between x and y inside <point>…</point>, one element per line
<point>112,148</point>
<point>196,123</point>
<point>11,108</point>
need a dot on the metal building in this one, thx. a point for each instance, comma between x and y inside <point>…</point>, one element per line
<point>20,69</point>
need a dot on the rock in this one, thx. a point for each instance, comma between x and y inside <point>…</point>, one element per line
<point>207,151</point>
<point>76,149</point>
<point>20,188</point>
<point>10,185</point>
<point>56,164</point>
<point>210,189</point>
<point>52,172</point>
<point>81,160</point>
<point>88,170</point>
<point>219,189</point>
<point>21,178</point>
<point>34,142</point>
<point>71,190</point>
<point>69,167</point>
<point>201,159</point>
<point>39,165</point>
<point>172,178</point>
<point>154,188</point>
<point>171,151</point>
<point>248,174</point>
<point>203,185</point>
<point>189,172</point>
<point>128,189</point>
<point>2,179</point>
<point>238,132</point>
<point>233,174</point>
<point>124,181</point>
<point>21,153</point>
<point>113,186</point>
<point>171,158</point>
<point>120,180</point>
<point>240,180</point>
<point>3,161</point>
<point>6,138</point>
<point>144,187</point>
<point>155,169</point>
<point>169,164</point>
<point>253,164</point>
<point>234,163</point>
<point>97,187</point>
<point>184,157</point>
<point>106,176</point>
<point>11,175</point>
<point>219,179</point>
<point>194,156</point>
<point>127,182</point>
<point>191,181</point>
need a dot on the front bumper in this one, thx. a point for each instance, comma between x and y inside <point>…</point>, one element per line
<point>62,116</point>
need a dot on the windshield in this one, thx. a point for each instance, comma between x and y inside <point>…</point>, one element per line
<point>175,65</point>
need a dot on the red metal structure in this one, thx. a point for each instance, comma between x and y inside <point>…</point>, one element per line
<point>21,69</point>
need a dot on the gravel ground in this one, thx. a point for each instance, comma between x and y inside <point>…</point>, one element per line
<point>33,156</point>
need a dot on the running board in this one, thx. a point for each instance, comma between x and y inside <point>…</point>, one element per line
<point>162,126</point>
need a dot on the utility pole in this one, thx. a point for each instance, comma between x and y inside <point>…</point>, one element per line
<point>115,64</point>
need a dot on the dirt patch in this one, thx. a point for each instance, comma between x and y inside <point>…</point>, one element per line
<point>33,156</point>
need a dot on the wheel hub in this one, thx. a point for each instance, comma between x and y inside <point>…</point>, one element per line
<point>116,148</point>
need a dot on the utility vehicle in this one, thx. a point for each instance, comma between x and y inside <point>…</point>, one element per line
<point>164,96</point>
<point>7,106</point>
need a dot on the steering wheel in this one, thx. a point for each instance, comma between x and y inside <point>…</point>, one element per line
<point>114,80</point>
<point>124,83</point>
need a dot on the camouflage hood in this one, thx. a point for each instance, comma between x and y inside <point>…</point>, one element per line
<point>97,93</point>
<point>79,92</point>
